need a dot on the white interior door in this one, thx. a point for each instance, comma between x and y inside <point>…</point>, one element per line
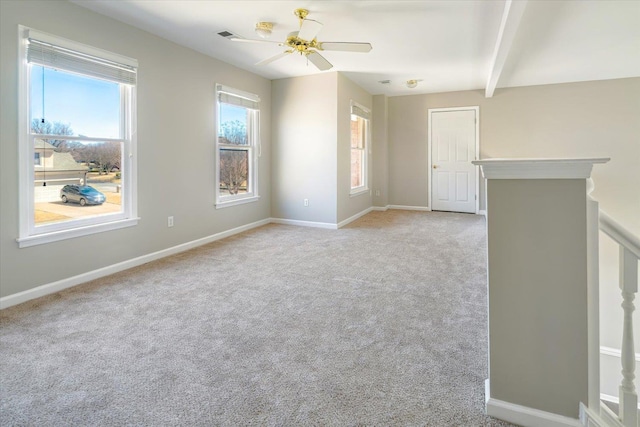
<point>453,147</point>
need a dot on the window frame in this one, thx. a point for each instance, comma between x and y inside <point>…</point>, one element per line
<point>253,148</point>
<point>31,234</point>
<point>361,111</point>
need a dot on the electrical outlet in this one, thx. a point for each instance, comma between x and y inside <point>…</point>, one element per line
<point>377,193</point>
<point>170,221</point>
<point>306,202</point>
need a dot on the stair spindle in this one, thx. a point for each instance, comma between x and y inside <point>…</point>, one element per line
<point>629,285</point>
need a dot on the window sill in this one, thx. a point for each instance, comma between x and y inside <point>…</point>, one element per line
<point>40,239</point>
<point>235,202</point>
<point>358,192</point>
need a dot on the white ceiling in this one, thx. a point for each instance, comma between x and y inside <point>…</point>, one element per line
<point>450,45</point>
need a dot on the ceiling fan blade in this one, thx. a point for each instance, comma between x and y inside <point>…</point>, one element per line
<point>238,39</point>
<point>319,61</point>
<point>309,29</point>
<point>346,47</point>
<point>274,58</point>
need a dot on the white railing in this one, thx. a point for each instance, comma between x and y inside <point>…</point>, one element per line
<point>629,247</point>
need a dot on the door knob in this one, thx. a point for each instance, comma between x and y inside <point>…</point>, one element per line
<point>435,166</point>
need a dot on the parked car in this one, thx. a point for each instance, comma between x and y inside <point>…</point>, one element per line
<point>83,194</point>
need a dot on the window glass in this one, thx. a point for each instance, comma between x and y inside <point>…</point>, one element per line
<point>234,171</point>
<point>233,125</point>
<point>73,104</point>
<point>68,105</point>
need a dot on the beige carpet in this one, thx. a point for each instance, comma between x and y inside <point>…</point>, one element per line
<point>381,323</point>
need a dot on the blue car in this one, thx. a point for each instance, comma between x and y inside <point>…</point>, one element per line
<point>83,194</point>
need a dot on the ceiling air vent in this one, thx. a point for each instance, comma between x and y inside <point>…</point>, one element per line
<point>384,82</point>
<point>227,35</point>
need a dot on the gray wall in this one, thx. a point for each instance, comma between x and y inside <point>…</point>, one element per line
<point>588,119</point>
<point>176,139</point>
<point>380,140</point>
<point>347,205</point>
<point>538,293</point>
<point>311,148</point>
<point>304,148</point>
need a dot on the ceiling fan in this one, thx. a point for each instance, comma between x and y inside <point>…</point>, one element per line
<point>305,43</point>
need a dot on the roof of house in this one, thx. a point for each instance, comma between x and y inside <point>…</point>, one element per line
<point>66,162</point>
<point>43,145</point>
<point>61,161</point>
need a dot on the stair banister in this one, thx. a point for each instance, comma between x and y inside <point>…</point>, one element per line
<point>629,249</point>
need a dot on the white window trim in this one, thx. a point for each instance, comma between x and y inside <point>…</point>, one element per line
<point>29,234</point>
<point>361,191</point>
<point>253,148</point>
<point>364,188</point>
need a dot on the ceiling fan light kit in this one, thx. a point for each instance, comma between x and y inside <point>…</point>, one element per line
<point>303,41</point>
<point>264,29</point>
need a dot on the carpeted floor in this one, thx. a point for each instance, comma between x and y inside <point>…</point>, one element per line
<point>381,323</point>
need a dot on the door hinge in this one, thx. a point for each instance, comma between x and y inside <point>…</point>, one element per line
<point>475,197</point>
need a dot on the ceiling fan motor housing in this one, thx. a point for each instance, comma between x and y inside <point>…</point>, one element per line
<point>300,45</point>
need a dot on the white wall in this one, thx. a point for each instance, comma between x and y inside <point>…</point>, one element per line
<point>305,148</point>
<point>348,205</point>
<point>176,139</point>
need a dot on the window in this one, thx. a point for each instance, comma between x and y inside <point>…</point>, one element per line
<point>359,148</point>
<point>238,130</point>
<point>77,121</point>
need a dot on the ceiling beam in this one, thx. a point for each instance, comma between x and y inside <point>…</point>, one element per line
<point>513,11</point>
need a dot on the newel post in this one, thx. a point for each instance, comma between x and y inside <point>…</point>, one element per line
<point>543,336</point>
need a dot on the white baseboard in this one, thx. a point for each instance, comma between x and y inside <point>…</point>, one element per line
<point>354,217</point>
<point>380,208</point>
<point>523,415</point>
<point>299,223</point>
<point>482,212</point>
<point>60,285</point>
<point>410,208</point>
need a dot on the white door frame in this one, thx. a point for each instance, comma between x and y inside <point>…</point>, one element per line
<point>477,154</point>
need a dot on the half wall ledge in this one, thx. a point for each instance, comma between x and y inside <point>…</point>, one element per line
<point>575,168</point>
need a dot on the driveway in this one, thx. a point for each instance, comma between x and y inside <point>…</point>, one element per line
<point>74,210</point>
